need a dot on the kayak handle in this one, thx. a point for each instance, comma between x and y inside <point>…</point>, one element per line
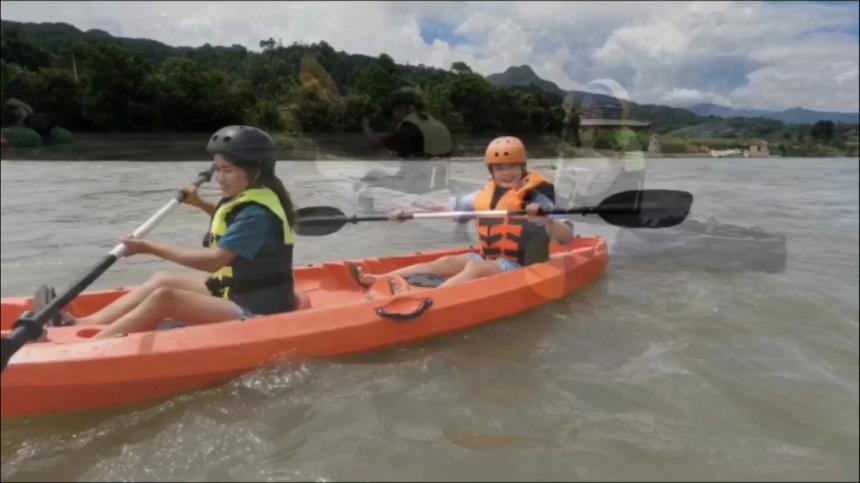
<point>401,317</point>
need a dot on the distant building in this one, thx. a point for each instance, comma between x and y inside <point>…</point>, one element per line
<point>655,144</point>
<point>595,125</point>
<point>758,149</point>
<point>727,153</point>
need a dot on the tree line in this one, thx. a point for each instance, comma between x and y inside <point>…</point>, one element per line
<point>91,81</point>
<point>96,82</point>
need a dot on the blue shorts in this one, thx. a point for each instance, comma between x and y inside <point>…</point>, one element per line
<point>244,314</point>
<point>505,265</point>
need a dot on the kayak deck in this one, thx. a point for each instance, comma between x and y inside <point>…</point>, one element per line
<point>326,285</point>
<point>72,372</point>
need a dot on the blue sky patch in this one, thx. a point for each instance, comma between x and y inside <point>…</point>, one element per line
<point>851,28</point>
<point>437,29</point>
<point>849,31</point>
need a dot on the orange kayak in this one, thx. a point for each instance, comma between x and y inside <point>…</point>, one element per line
<point>71,372</point>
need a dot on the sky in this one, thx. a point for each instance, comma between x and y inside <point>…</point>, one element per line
<point>765,55</point>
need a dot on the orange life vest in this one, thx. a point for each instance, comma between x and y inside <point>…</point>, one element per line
<point>508,238</point>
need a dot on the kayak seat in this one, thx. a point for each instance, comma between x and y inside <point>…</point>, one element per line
<point>425,280</point>
<point>43,296</point>
<point>169,324</point>
<point>417,280</point>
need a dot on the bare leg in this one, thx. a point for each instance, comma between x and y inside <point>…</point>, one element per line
<point>133,298</point>
<point>474,269</point>
<point>445,266</point>
<point>302,301</point>
<point>190,307</point>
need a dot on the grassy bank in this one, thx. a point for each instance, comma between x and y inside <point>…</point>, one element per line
<point>171,146</point>
<point>192,147</point>
<point>785,148</point>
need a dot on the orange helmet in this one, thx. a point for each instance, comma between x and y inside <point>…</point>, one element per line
<point>505,150</point>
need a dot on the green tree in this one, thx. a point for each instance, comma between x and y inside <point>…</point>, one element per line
<point>267,44</point>
<point>377,82</point>
<point>461,68</point>
<point>349,110</point>
<point>115,94</point>
<point>19,82</point>
<point>265,114</point>
<point>60,97</point>
<point>822,131</point>
<point>15,49</point>
<point>311,70</point>
<point>439,105</point>
<point>511,110</point>
<point>387,63</point>
<point>472,96</point>
<point>193,98</point>
<point>308,110</point>
<point>621,139</point>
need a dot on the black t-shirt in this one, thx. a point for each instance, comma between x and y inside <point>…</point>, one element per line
<point>407,141</point>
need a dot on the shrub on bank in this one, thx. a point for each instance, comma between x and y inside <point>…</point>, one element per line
<point>19,136</point>
<point>61,136</point>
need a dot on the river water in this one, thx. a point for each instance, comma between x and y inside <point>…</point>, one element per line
<point>665,369</point>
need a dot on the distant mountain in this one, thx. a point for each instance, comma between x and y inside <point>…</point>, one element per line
<point>55,37</point>
<point>665,118</point>
<point>797,115</point>
<point>524,76</point>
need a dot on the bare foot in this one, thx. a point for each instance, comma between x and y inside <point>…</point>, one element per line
<point>64,319</point>
<point>363,279</point>
<point>367,279</point>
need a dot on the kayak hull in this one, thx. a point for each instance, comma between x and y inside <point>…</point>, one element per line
<point>71,372</point>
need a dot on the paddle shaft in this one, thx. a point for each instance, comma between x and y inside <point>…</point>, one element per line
<point>31,328</point>
<point>504,213</point>
<point>627,209</point>
<point>473,214</point>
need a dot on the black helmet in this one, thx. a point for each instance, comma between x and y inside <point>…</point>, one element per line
<point>406,95</point>
<point>245,146</point>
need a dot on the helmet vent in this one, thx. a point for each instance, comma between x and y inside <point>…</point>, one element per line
<point>215,137</point>
<point>227,139</point>
<point>505,150</point>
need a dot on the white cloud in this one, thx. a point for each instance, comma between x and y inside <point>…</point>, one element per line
<point>684,97</point>
<point>745,54</point>
<point>813,75</point>
<point>706,48</point>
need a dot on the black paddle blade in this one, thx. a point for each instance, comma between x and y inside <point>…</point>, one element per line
<point>7,348</point>
<point>319,220</point>
<point>646,208</point>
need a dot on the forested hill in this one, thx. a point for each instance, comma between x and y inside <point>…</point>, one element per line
<point>92,81</point>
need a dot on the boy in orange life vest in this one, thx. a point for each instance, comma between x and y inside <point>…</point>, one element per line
<point>506,244</point>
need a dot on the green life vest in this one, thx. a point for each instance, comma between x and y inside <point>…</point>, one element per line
<point>265,284</point>
<point>437,138</point>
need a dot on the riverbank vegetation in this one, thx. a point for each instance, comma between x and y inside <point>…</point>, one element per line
<point>94,82</point>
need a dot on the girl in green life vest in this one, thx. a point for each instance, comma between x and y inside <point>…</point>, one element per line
<point>248,250</point>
